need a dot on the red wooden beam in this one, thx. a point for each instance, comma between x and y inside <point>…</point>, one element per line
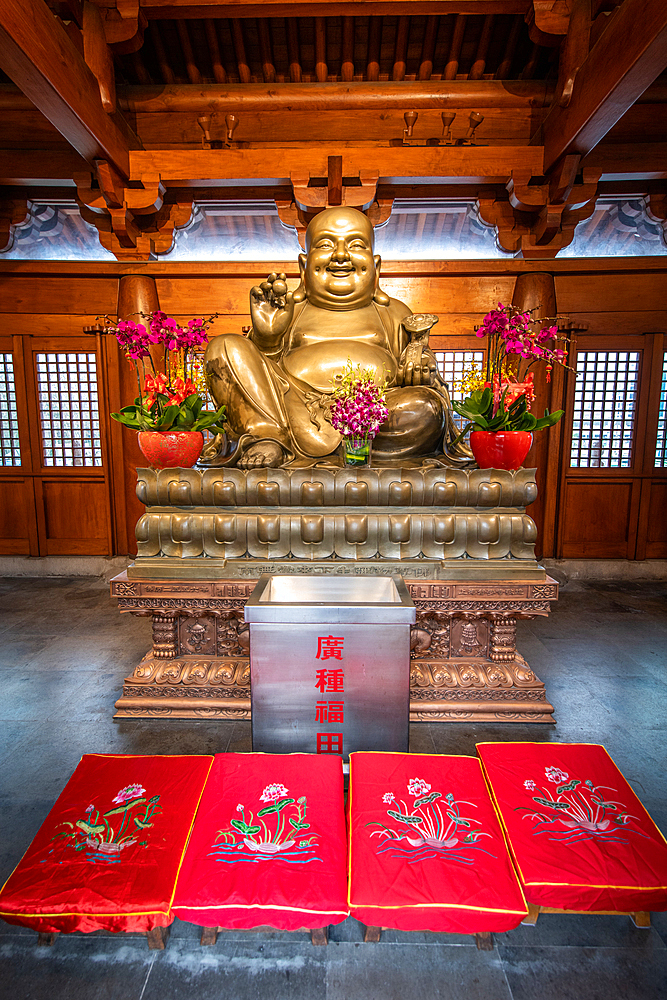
<point>38,55</point>
<point>629,55</point>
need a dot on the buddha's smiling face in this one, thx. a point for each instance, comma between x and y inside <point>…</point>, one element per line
<point>340,271</point>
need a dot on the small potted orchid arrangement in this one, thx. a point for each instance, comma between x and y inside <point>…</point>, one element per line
<point>356,408</point>
<point>497,406</point>
<point>169,411</point>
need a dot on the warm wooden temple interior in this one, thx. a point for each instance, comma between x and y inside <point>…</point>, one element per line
<point>398,170</point>
<point>190,143</point>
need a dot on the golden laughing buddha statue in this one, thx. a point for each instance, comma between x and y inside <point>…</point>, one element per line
<point>273,381</point>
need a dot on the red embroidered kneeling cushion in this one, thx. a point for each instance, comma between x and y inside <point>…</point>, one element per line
<point>426,847</point>
<point>580,837</point>
<point>107,855</point>
<point>268,846</point>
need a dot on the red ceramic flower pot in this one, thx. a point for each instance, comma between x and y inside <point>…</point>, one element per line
<point>171,449</point>
<point>500,449</point>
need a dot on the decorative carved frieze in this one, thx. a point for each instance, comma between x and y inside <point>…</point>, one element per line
<point>477,674</point>
<point>425,487</point>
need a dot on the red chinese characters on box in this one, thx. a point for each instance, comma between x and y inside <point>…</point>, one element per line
<point>330,682</point>
<point>329,647</point>
<point>329,711</point>
<point>329,742</point>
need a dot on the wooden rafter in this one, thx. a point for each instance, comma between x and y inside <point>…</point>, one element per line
<point>38,55</point>
<point>629,55</point>
<point>256,97</point>
<point>326,8</point>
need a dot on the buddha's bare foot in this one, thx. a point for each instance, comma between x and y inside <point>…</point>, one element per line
<point>262,455</point>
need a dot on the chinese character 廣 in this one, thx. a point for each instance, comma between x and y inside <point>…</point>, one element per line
<point>329,647</point>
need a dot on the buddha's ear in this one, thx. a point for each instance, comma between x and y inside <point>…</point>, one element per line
<point>380,297</point>
<point>300,292</point>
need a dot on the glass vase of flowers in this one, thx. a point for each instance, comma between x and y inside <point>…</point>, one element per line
<point>169,411</point>
<point>500,393</point>
<point>357,408</point>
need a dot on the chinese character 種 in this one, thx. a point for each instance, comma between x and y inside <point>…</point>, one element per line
<point>329,742</point>
<point>329,647</point>
<point>330,681</point>
<point>329,711</point>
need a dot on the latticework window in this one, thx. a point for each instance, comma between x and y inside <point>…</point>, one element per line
<point>605,402</point>
<point>661,443</point>
<point>68,409</point>
<point>452,365</point>
<point>10,450</point>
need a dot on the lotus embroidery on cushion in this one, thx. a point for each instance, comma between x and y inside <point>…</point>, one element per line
<point>276,833</point>
<point>579,810</point>
<point>432,827</point>
<point>103,836</point>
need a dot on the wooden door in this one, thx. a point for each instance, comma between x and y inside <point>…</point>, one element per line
<point>612,494</point>
<point>54,481</point>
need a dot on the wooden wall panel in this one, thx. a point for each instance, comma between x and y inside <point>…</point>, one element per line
<point>18,535</point>
<point>656,533</point>
<point>599,293</point>
<point>52,294</point>
<point>599,519</point>
<point>75,517</point>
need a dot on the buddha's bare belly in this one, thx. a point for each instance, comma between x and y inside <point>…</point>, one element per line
<point>317,364</point>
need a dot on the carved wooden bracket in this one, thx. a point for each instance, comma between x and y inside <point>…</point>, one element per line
<point>124,26</point>
<point>656,209</point>
<point>132,223</point>
<point>13,212</point>
<point>312,194</point>
<point>548,21</point>
<point>540,216</point>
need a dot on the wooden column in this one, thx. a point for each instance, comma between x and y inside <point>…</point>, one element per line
<point>537,291</point>
<point>137,293</point>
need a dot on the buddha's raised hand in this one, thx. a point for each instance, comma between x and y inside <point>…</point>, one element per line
<point>271,311</point>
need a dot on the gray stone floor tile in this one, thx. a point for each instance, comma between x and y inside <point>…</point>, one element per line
<point>239,969</point>
<point>572,973</point>
<point>397,972</point>
<point>78,967</point>
<point>589,931</point>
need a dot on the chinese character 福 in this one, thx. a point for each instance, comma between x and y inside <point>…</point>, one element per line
<point>329,711</point>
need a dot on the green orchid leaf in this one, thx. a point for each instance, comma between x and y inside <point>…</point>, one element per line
<point>167,419</point>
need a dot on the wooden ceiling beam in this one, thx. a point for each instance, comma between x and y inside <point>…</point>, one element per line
<point>202,168</point>
<point>38,55</point>
<point>326,8</point>
<point>417,96</point>
<point>629,55</point>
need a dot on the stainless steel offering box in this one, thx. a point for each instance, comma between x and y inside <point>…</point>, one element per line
<point>330,663</point>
